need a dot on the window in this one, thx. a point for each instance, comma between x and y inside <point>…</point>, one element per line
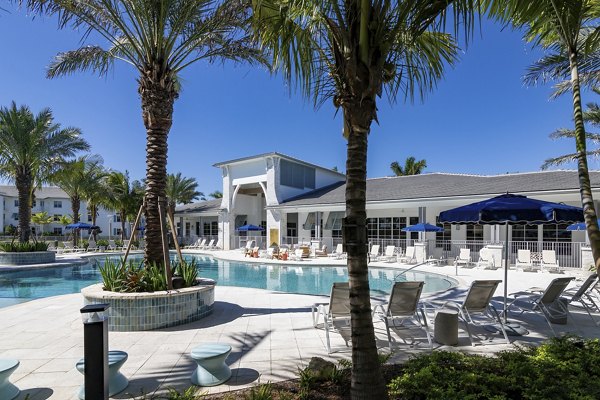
<point>188,227</point>
<point>57,231</point>
<point>33,204</point>
<point>211,228</point>
<point>524,233</point>
<point>197,228</point>
<point>297,175</point>
<point>214,228</point>
<point>117,218</point>
<point>386,228</point>
<point>116,231</point>
<point>556,233</point>
<point>57,203</point>
<point>292,229</point>
<point>89,217</point>
<point>474,232</point>
<point>42,203</point>
<point>414,221</point>
<point>56,217</point>
<point>16,203</point>
<point>15,216</point>
<point>443,236</point>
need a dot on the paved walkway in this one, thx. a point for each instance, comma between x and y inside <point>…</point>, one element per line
<point>271,334</point>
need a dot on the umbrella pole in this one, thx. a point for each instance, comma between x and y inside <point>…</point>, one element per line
<point>506,252</point>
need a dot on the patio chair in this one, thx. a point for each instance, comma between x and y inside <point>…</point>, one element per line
<point>374,253</point>
<point>248,249</point>
<point>200,244</point>
<point>68,247</point>
<point>549,262</point>
<point>389,255</point>
<point>111,245</point>
<point>338,253</point>
<point>322,252</point>
<point>464,259</point>
<point>546,302</point>
<point>409,256</point>
<point>209,245</point>
<point>478,303</point>
<point>192,245</point>
<point>92,246</point>
<point>336,312</point>
<point>403,304</point>
<point>485,259</point>
<point>581,296</point>
<point>125,244</point>
<point>437,258</point>
<point>524,261</point>
<point>215,246</point>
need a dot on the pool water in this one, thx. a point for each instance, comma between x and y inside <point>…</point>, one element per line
<point>19,286</point>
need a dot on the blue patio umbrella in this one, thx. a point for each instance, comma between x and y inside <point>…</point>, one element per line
<point>250,227</point>
<point>79,225</point>
<point>422,227</point>
<point>580,226</point>
<point>511,209</point>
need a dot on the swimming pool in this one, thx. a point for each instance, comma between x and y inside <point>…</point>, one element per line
<point>24,285</point>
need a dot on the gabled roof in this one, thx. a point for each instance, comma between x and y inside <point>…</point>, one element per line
<point>275,154</point>
<point>441,185</point>
<point>209,206</point>
<point>43,193</point>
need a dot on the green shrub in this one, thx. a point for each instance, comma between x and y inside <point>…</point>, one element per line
<point>188,270</point>
<point>133,276</point>
<point>261,392</point>
<point>102,242</point>
<point>16,247</point>
<point>563,368</point>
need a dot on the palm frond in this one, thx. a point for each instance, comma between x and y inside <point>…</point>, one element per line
<point>87,58</point>
<point>567,158</point>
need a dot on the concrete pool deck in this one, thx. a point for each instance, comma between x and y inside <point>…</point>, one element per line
<point>271,334</point>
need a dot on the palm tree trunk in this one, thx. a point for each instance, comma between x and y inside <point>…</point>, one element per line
<point>24,182</point>
<point>585,187</point>
<point>157,112</point>
<point>75,206</point>
<point>123,218</point>
<point>94,211</point>
<point>367,381</point>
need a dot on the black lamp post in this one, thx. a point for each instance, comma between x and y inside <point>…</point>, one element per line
<point>95,349</point>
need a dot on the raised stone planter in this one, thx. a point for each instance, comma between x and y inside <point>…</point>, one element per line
<point>147,311</point>
<point>26,258</point>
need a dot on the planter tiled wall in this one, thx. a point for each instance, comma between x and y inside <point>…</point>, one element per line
<point>147,311</point>
<point>27,258</point>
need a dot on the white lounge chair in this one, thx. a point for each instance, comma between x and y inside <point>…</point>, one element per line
<point>524,261</point>
<point>544,302</point>
<point>581,296</point>
<point>409,256</point>
<point>437,257</point>
<point>464,259</point>
<point>549,262</point>
<point>92,246</point>
<point>111,245</point>
<point>336,313</point>
<point>389,254</point>
<point>374,253</point>
<point>193,245</point>
<point>248,249</point>
<point>68,247</point>
<point>403,304</point>
<point>209,245</point>
<point>338,253</point>
<point>125,244</point>
<point>478,303</point>
<point>322,252</point>
<point>486,261</point>
<point>216,246</point>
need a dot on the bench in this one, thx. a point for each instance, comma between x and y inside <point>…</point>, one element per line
<point>211,369</point>
<point>8,391</point>
<point>117,382</point>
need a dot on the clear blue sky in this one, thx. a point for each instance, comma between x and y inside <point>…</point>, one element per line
<point>481,119</point>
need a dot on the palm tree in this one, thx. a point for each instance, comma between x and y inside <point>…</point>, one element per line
<point>41,219</point>
<point>77,178</point>
<point>180,190</point>
<point>123,196</point>
<point>352,51</point>
<point>569,31</point>
<point>31,147</point>
<point>411,167</point>
<point>217,194</point>
<point>159,39</point>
